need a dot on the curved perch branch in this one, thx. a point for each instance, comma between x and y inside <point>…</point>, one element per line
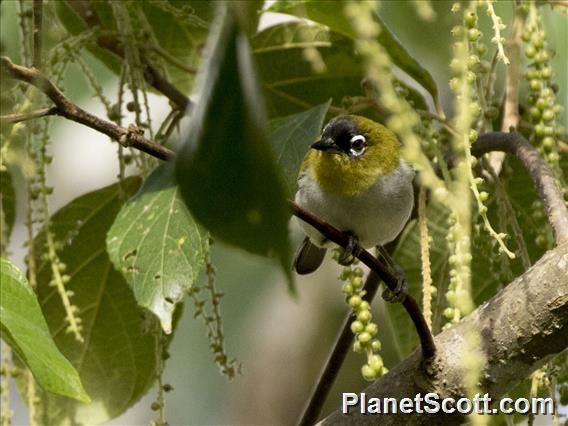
<point>545,185</point>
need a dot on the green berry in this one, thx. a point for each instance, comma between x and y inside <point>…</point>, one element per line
<point>548,115</point>
<point>539,130</point>
<point>546,73</point>
<point>548,131</point>
<point>364,338</point>
<point>357,327</point>
<point>376,363</point>
<point>473,34</point>
<point>535,113</point>
<point>355,301</point>
<point>368,373</point>
<point>347,289</point>
<point>457,31</point>
<point>371,328</point>
<point>481,49</point>
<point>483,196</point>
<point>548,142</point>
<point>364,316</point>
<point>530,52</point>
<point>535,85</point>
<point>376,345</point>
<point>470,19</point>
<point>357,282</point>
<point>472,61</point>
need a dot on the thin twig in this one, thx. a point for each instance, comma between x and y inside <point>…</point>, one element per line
<point>37,32</point>
<point>17,118</point>
<point>67,109</point>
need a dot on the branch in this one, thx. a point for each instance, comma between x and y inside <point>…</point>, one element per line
<point>336,358</point>
<point>154,78</point>
<point>544,182</point>
<point>523,325</point>
<point>67,109</point>
<point>17,118</point>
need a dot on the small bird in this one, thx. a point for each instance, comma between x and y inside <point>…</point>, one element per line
<point>354,178</point>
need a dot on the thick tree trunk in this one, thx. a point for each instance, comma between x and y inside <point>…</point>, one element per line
<point>520,328</point>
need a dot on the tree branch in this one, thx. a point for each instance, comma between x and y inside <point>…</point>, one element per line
<point>154,78</point>
<point>16,118</point>
<point>544,182</point>
<point>520,327</point>
<point>67,109</point>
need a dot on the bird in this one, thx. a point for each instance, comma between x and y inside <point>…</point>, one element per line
<point>354,178</point>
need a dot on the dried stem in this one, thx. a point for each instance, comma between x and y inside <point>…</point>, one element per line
<point>67,109</point>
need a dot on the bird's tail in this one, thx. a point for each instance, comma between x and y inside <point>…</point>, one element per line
<point>308,258</point>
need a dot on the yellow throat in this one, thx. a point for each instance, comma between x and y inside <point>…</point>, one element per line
<point>348,177</point>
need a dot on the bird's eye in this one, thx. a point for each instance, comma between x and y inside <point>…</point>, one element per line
<point>357,143</point>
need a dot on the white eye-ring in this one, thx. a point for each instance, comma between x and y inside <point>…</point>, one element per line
<point>358,145</point>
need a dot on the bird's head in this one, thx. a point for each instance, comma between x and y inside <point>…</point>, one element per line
<point>353,152</point>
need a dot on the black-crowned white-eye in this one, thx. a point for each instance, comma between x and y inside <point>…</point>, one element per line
<point>354,178</point>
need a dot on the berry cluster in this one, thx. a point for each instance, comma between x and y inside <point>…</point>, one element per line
<point>362,326</point>
<point>542,99</point>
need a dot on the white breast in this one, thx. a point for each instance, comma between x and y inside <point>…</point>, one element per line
<point>375,217</point>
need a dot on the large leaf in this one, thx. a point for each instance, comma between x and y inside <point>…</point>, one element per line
<point>179,27</point>
<point>291,137</point>
<point>291,84</point>
<point>226,169</point>
<point>117,360</point>
<point>157,246</point>
<point>331,13</point>
<point>7,204</point>
<point>23,327</point>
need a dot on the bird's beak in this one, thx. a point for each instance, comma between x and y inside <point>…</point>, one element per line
<point>324,145</point>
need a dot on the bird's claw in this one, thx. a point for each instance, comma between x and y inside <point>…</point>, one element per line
<point>348,255</point>
<point>401,290</point>
<point>399,293</point>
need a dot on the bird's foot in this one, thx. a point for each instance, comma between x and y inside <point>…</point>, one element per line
<point>401,290</point>
<point>348,255</point>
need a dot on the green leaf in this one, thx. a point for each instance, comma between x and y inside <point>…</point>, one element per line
<point>291,137</point>
<point>117,361</point>
<point>179,27</point>
<point>157,246</point>
<point>291,84</point>
<point>226,169</point>
<point>331,13</point>
<point>7,204</point>
<point>23,327</point>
